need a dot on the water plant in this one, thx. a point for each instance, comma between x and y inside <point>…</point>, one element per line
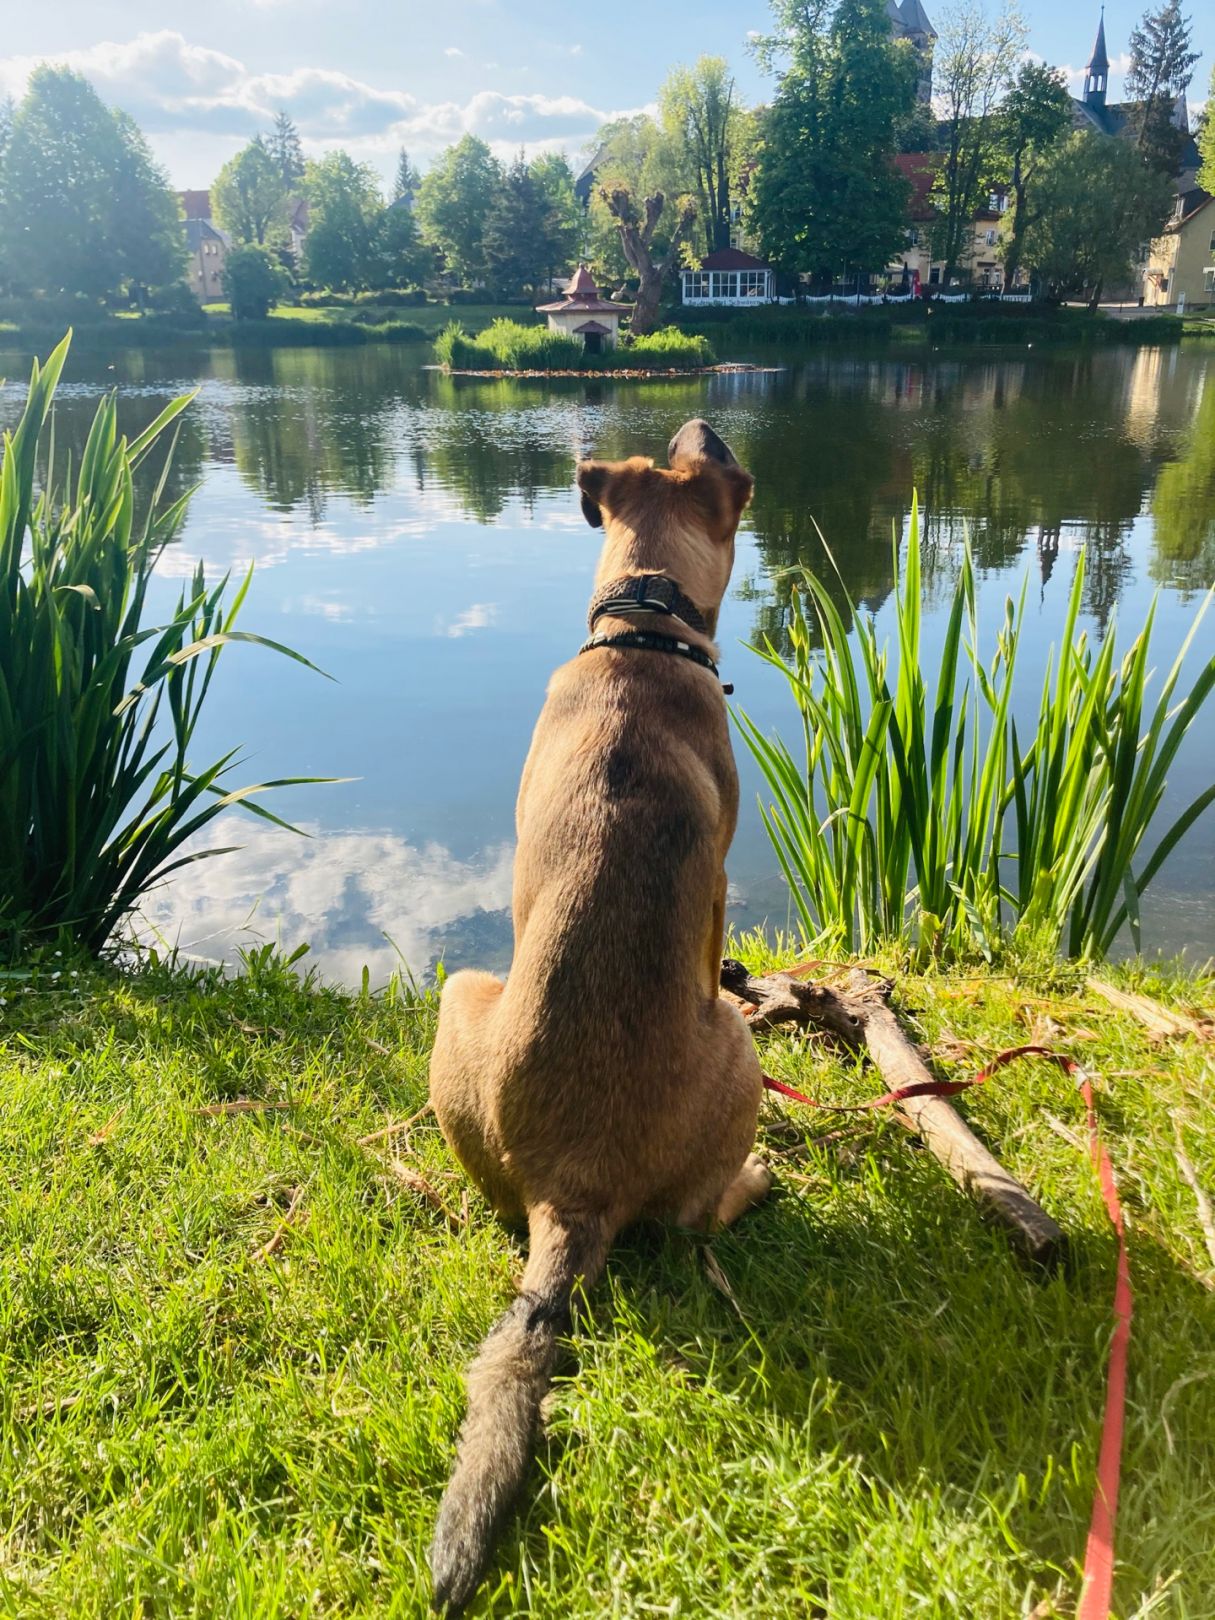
<point>509,345</point>
<point>919,812</point>
<point>96,801</point>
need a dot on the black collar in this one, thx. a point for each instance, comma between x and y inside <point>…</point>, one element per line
<point>645,593</point>
<point>652,643</point>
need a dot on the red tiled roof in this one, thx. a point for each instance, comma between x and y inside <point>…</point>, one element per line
<point>582,298</point>
<point>731,259</point>
<point>919,169</point>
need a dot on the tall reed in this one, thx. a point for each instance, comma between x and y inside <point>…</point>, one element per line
<point>916,811</point>
<point>97,792</point>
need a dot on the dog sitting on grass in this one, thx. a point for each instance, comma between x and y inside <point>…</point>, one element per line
<point>605,1081</point>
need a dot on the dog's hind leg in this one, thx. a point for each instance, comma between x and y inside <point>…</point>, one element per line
<point>460,1072</point>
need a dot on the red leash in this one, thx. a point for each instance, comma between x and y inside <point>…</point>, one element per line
<point>1097,1591</point>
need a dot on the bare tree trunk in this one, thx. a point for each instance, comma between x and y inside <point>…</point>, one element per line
<point>636,236</point>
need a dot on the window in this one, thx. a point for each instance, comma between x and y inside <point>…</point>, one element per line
<point>992,238</point>
<point>1212,247</point>
<point>696,283</point>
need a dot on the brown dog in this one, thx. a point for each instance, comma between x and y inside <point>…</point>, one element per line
<point>605,1080</point>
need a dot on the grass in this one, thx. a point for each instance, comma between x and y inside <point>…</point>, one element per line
<point>230,1343</point>
<point>98,785</point>
<point>507,345</point>
<point>928,818</point>
<point>920,324</point>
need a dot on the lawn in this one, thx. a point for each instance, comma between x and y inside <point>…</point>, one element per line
<point>434,317</point>
<point>231,1337</point>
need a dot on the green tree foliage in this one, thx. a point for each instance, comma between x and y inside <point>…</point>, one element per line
<point>248,195</point>
<point>1183,508</point>
<point>254,281</point>
<point>1036,115</point>
<point>454,200</point>
<point>563,221</point>
<point>633,157</point>
<point>344,206</point>
<point>698,113</point>
<point>406,181</point>
<point>286,151</point>
<point>827,197</point>
<point>513,243</point>
<point>400,258</point>
<point>1162,65</point>
<point>83,208</point>
<point>1098,199</point>
<point>1206,141</point>
<point>974,62</point>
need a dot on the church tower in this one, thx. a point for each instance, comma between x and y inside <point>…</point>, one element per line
<point>1097,74</point>
<point>909,21</point>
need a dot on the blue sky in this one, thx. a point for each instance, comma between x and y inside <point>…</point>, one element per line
<point>373,75</point>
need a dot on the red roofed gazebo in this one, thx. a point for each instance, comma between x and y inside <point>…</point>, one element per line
<point>582,313</point>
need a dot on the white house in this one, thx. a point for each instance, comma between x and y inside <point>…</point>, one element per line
<point>582,313</point>
<point>728,276</point>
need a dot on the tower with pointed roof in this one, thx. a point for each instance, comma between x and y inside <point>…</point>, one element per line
<point>1097,74</point>
<point>908,20</point>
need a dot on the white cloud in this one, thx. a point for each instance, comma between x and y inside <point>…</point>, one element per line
<point>341,892</point>
<point>175,88</point>
<point>453,50</point>
<point>477,617</point>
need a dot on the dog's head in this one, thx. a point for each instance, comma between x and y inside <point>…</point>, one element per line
<point>679,519</point>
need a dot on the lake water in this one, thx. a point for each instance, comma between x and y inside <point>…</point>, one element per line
<point>419,537</point>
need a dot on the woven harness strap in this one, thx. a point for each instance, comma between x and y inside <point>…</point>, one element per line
<point>655,594</point>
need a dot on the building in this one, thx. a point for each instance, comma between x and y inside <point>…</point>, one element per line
<point>1094,111</point>
<point>909,21</point>
<point>728,276</point>
<point>582,313</point>
<point>207,247</point>
<point>1180,271</point>
<point>980,263</point>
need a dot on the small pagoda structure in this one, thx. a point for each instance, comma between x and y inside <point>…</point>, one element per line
<point>583,314</point>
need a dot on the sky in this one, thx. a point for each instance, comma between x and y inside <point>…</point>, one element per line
<point>376,75</point>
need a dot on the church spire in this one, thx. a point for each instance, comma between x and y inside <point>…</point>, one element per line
<point>1097,76</point>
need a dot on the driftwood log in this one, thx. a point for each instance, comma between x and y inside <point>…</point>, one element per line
<point>856,1010</point>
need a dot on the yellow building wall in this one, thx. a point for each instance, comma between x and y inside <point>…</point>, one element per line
<point>1178,264</point>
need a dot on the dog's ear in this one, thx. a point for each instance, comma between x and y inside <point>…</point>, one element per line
<point>591,478</point>
<point>697,442</point>
<point>738,485</point>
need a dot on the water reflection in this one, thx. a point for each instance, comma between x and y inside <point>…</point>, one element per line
<point>417,536</point>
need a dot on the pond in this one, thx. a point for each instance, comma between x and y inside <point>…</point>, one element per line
<point>418,536</point>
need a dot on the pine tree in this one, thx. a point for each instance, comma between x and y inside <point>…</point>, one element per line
<point>1206,141</point>
<point>284,147</point>
<point>406,182</point>
<point>1162,65</point>
<point>513,240</point>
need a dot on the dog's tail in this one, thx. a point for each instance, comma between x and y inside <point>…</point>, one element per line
<point>506,1384</point>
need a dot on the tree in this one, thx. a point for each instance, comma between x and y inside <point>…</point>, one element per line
<point>453,201</point>
<point>248,195</point>
<point>1097,201</point>
<point>1162,65</point>
<point>406,181</point>
<point>973,66</point>
<point>1037,113</point>
<point>637,241</point>
<point>145,225</point>
<point>344,205</point>
<point>634,156</point>
<point>83,209</point>
<point>400,258</point>
<point>513,239</point>
<point>698,114</point>
<point>827,197</point>
<point>562,212</point>
<point>1206,141</point>
<point>286,152</point>
<point>253,282</point>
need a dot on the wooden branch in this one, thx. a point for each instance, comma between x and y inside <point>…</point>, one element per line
<point>857,1013</point>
